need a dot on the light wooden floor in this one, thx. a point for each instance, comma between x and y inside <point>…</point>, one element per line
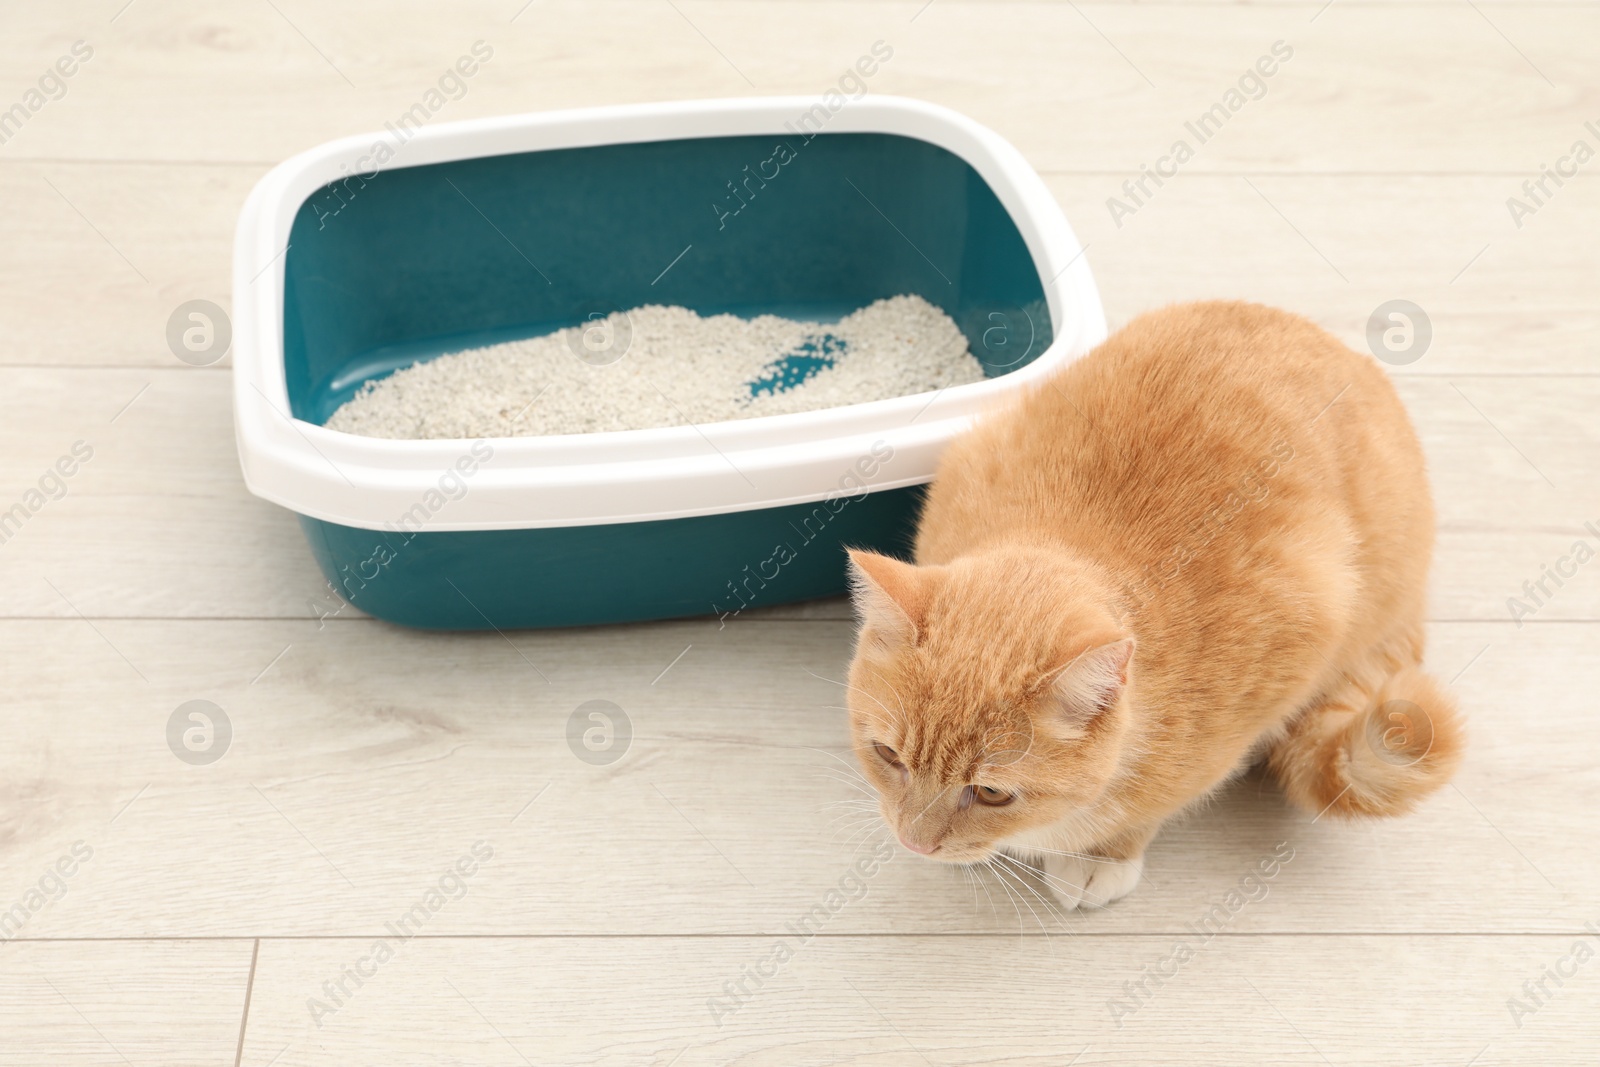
<point>216,901</point>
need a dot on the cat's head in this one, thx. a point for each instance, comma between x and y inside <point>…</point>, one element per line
<point>988,697</point>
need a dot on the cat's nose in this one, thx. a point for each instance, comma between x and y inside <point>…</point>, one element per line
<point>919,848</point>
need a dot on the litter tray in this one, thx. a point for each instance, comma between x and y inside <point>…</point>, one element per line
<point>353,260</point>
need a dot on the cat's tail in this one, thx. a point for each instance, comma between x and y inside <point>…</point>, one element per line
<point>1371,751</point>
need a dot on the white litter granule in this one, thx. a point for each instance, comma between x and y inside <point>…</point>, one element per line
<point>675,367</point>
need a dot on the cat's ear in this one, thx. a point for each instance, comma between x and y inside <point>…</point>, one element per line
<point>889,596</point>
<point>1091,682</point>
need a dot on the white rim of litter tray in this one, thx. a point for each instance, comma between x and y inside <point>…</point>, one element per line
<point>628,475</point>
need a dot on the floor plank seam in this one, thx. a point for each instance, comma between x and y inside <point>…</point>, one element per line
<point>249,990</point>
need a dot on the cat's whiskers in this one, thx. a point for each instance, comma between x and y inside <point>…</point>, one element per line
<point>1005,883</point>
<point>862,803</point>
<point>854,811</point>
<point>1143,876</point>
<point>1052,882</point>
<point>1023,885</point>
<point>856,835</point>
<point>832,755</point>
<point>856,688</point>
<point>854,830</point>
<point>1062,852</point>
<point>856,803</point>
<point>1048,905</point>
<point>1024,888</point>
<point>854,818</point>
<point>852,771</point>
<point>966,871</point>
<point>852,806</point>
<point>896,694</point>
<point>977,879</point>
<point>864,788</point>
<point>866,825</point>
<point>864,834</point>
<point>1009,895</point>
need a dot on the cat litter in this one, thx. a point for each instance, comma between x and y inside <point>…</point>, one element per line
<point>674,367</point>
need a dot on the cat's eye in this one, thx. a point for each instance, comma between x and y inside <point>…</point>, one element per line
<point>887,754</point>
<point>994,798</point>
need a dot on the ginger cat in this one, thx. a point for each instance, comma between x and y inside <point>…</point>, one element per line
<point>1203,543</point>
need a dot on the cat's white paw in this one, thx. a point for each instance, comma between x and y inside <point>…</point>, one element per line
<point>1081,883</point>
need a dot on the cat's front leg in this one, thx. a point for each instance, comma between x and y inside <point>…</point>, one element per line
<point>1094,880</point>
<point>1091,882</point>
